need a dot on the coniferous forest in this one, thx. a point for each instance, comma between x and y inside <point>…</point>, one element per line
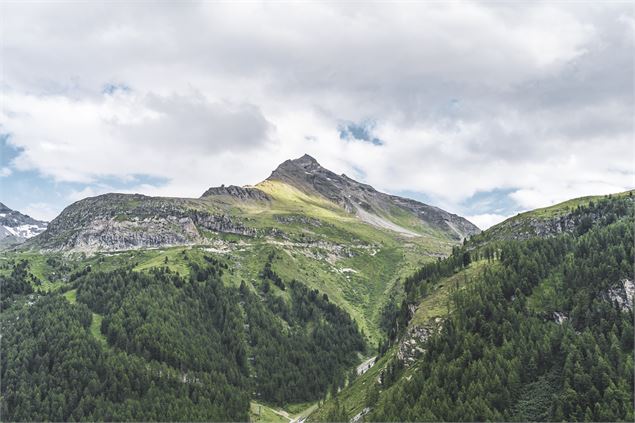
<point>172,348</point>
<point>537,337</point>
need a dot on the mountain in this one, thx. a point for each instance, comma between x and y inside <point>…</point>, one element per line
<point>16,227</point>
<point>297,187</point>
<point>354,245</point>
<point>369,205</point>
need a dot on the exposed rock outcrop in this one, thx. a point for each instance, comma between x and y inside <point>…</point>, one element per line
<point>622,294</point>
<point>560,317</point>
<point>298,220</point>
<point>240,193</point>
<point>126,221</point>
<point>412,344</point>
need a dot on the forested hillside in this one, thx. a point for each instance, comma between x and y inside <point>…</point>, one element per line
<point>158,346</point>
<point>542,331</point>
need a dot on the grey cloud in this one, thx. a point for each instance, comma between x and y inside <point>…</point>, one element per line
<point>192,124</point>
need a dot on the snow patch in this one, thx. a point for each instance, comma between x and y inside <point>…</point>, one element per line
<point>24,231</point>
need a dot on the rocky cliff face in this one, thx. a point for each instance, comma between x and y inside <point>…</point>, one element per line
<point>127,221</point>
<point>239,193</point>
<point>366,202</point>
<point>16,227</point>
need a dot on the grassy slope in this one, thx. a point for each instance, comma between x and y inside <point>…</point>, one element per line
<point>259,412</point>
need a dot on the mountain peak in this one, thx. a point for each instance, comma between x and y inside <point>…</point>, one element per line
<point>370,205</point>
<point>303,173</point>
<point>306,159</point>
<point>306,162</point>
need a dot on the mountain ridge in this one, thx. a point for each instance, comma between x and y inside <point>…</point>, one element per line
<point>121,221</point>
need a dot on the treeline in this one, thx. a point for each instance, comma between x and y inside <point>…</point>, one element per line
<point>502,356</point>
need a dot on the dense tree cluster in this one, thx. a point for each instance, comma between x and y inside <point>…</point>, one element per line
<point>299,347</point>
<point>53,369</point>
<point>503,356</point>
<point>191,325</point>
<point>19,282</point>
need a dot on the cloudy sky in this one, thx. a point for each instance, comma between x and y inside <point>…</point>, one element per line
<point>484,109</point>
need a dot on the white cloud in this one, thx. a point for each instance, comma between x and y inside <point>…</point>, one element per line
<point>41,211</point>
<point>127,134</point>
<point>531,97</point>
<point>5,171</point>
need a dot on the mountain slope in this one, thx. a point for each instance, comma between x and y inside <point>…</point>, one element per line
<point>512,329</point>
<point>368,204</point>
<point>355,255</point>
<point>16,227</point>
<point>549,221</point>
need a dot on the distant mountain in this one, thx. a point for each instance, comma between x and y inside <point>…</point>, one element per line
<point>16,227</point>
<point>297,190</point>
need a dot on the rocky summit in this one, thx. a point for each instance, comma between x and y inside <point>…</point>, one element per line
<point>370,205</point>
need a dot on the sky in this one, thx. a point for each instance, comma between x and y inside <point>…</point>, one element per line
<point>484,109</point>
